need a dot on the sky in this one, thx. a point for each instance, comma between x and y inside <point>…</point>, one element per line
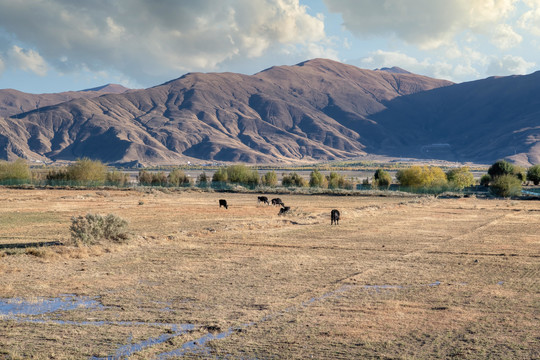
<point>60,45</point>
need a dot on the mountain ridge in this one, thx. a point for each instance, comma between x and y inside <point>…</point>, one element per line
<point>316,110</point>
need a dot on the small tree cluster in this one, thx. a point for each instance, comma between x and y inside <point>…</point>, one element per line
<point>269,179</point>
<point>117,178</point>
<point>422,176</point>
<point>178,178</point>
<point>381,179</point>
<point>338,181</point>
<point>293,179</point>
<point>533,174</point>
<point>94,228</point>
<point>460,178</point>
<point>17,170</point>
<point>317,179</point>
<point>505,178</point>
<point>237,174</point>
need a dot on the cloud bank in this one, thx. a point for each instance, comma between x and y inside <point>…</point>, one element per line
<point>148,39</point>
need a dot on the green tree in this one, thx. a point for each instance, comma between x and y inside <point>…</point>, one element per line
<point>269,179</point>
<point>202,179</point>
<point>220,175</point>
<point>178,178</point>
<point>485,180</point>
<point>533,174</point>
<point>460,178</point>
<point>117,178</point>
<point>506,185</point>
<point>422,176</point>
<point>87,170</point>
<point>241,174</point>
<point>293,179</point>
<point>317,179</point>
<point>382,179</point>
<point>16,170</point>
<point>145,178</point>
<point>499,168</point>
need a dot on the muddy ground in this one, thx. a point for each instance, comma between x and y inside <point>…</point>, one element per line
<point>399,277</point>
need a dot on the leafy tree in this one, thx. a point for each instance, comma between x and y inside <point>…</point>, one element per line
<point>269,179</point>
<point>17,170</point>
<point>338,181</point>
<point>506,185</point>
<point>533,174</point>
<point>241,174</point>
<point>422,176</point>
<point>293,179</point>
<point>117,178</point>
<point>499,168</point>
<point>461,177</point>
<point>87,170</point>
<point>485,180</point>
<point>220,175</point>
<point>178,178</point>
<point>145,177</point>
<point>202,179</point>
<point>159,179</point>
<point>317,179</point>
<point>382,179</point>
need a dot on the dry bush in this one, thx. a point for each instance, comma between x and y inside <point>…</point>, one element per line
<point>93,228</point>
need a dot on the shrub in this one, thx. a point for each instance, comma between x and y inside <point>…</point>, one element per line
<point>460,178</point>
<point>269,179</point>
<point>220,175</point>
<point>533,174</point>
<point>241,174</point>
<point>93,228</point>
<point>499,168</point>
<point>424,176</point>
<point>145,178</point>
<point>520,172</point>
<point>17,170</point>
<point>382,179</point>
<point>117,178</point>
<point>202,179</point>
<point>485,180</point>
<point>316,179</point>
<point>506,185</point>
<point>178,178</point>
<point>338,181</point>
<point>293,179</point>
<point>86,170</point>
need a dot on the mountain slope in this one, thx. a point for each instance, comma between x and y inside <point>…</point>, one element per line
<point>481,121</point>
<point>316,110</point>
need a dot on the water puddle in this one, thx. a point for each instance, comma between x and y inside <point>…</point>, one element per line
<point>15,308</point>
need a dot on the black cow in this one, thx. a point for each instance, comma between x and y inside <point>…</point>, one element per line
<point>223,203</point>
<point>277,201</point>
<point>263,199</point>
<point>334,217</point>
<point>284,209</point>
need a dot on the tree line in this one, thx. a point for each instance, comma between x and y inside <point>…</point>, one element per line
<point>503,178</point>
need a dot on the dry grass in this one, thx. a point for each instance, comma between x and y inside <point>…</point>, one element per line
<point>299,283</point>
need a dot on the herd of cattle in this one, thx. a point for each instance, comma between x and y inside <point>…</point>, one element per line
<point>334,214</point>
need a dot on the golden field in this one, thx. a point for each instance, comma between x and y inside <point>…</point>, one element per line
<point>399,277</point>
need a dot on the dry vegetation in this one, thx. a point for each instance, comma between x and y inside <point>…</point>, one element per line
<point>454,277</point>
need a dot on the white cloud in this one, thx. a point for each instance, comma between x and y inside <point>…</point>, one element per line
<point>530,20</point>
<point>28,60</point>
<point>509,65</point>
<point>504,37</point>
<point>148,39</point>
<point>426,23</point>
<point>466,68</point>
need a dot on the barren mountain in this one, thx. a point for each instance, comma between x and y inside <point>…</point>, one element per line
<point>316,110</point>
<point>479,121</point>
<point>14,102</point>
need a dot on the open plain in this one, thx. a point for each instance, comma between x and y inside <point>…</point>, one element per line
<point>399,277</point>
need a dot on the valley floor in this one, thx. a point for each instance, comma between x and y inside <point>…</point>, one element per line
<point>397,278</point>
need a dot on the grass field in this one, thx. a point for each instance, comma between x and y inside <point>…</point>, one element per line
<point>398,278</point>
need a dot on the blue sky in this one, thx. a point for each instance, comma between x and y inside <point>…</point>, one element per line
<point>60,45</point>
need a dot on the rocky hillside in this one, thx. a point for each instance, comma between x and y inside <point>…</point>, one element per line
<point>316,110</point>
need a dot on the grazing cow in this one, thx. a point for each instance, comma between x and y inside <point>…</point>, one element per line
<point>334,217</point>
<point>223,203</point>
<point>277,201</point>
<point>284,209</point>
<point>263,199</point>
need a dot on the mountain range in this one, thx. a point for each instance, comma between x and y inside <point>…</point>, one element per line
<point>317,110</point>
